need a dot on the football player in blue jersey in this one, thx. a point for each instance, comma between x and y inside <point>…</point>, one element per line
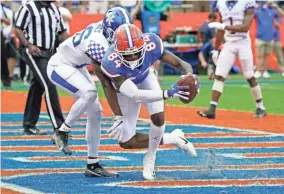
<point>67,69</point>
<point>128,63</point>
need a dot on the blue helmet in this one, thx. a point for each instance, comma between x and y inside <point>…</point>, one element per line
<point>113,18</point>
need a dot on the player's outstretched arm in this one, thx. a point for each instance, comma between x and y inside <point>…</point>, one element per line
<point>249,14</point>
<point>129,89</point>
<point>176,62</point>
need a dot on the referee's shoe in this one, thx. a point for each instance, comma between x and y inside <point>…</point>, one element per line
<point>33,131</point>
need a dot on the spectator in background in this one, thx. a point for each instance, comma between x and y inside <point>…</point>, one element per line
<point>96,6</point>
<point>265,16</point>
<point>278,46</point>
<point>12,50</point>
<point>66,14</point>
<point>207,33</point>
<point>150,19</point>
<point>5,77</point>
<point>131,5</point>
<point>205,57</point>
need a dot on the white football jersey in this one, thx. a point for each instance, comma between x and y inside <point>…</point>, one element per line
<point>233,14</point>
<point>89,43</point>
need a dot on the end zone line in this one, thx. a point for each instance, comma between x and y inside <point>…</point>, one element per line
<point>18,188</point>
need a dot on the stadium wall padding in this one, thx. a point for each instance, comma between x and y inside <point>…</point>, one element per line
<point>194,19</point>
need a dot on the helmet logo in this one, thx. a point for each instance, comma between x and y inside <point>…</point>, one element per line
<point>109,18</point>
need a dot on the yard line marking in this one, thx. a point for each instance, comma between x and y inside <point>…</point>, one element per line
<point>14,173</point>
<point>19,189</point>
<point>253,155</point>
<point>237,129</point>
<point>64,158</point>
<point>116,148</point>
<point>199,183</point>
<point>105,136</point>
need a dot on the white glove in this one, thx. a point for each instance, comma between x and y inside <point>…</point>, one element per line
<point>217,25</point>
<point>116,129</point>
<point>215,55</point>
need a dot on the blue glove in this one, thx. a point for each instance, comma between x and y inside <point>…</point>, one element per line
<point>176,92</point>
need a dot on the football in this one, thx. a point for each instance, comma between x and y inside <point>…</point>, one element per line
<point>188,80</point>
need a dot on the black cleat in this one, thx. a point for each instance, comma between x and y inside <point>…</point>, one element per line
<point>61,140</point>
<point>208,114</point>
<point>96,170</point>
<point>33,131</point>
<point>53,139</point>
<point>259,113</point>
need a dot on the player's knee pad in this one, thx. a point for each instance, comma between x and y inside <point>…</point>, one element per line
<point>90,95</point>
<point>218,86</point>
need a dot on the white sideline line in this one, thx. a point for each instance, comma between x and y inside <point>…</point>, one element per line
<point>235,129</point>
<point>19,188</point>
<point>29,159</point>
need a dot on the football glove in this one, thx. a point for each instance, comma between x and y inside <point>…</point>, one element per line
<point>176,92</point>
<point>116,129</point>
<point>217,25</point>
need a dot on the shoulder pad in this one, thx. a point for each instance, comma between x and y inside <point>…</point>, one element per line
<point>154,44</point>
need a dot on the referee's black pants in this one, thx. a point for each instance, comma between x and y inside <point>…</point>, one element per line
<point>40,84</point>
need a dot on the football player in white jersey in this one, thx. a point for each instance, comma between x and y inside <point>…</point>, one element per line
<point>67,69</point>
<point>236,19</point>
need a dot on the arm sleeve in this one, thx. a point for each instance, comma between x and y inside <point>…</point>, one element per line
<point>23,18</point>
<point>129,89</point>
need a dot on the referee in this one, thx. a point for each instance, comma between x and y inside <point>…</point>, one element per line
<point>37,23</point>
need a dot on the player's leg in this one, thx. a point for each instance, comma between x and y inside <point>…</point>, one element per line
<point>156,110</point>
<point>74,82</point>
<point>246,60</point>
<point>93,132</point>
<point>224,64</point>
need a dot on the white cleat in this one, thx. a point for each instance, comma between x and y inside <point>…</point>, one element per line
<point>282,74</point>
<point>183,143</point>
<point>149,165</point>
<point>257,74</point>
<point>266,75</point>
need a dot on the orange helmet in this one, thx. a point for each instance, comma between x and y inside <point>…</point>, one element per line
<point>129,45</point>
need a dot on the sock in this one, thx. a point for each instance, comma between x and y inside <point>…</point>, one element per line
<point>213,105</point>
<point>93,131</point>
<point>260,105</point>
<point>155,136</point>
<point>256,91</point>
<point>64,128</point>
<point>92,160</point>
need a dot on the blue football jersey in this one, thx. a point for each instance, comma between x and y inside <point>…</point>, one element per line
<point>113,66</point>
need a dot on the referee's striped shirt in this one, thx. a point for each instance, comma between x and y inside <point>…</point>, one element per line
<point>40,23</point>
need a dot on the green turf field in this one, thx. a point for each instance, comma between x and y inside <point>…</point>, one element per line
<point>237,94</point>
